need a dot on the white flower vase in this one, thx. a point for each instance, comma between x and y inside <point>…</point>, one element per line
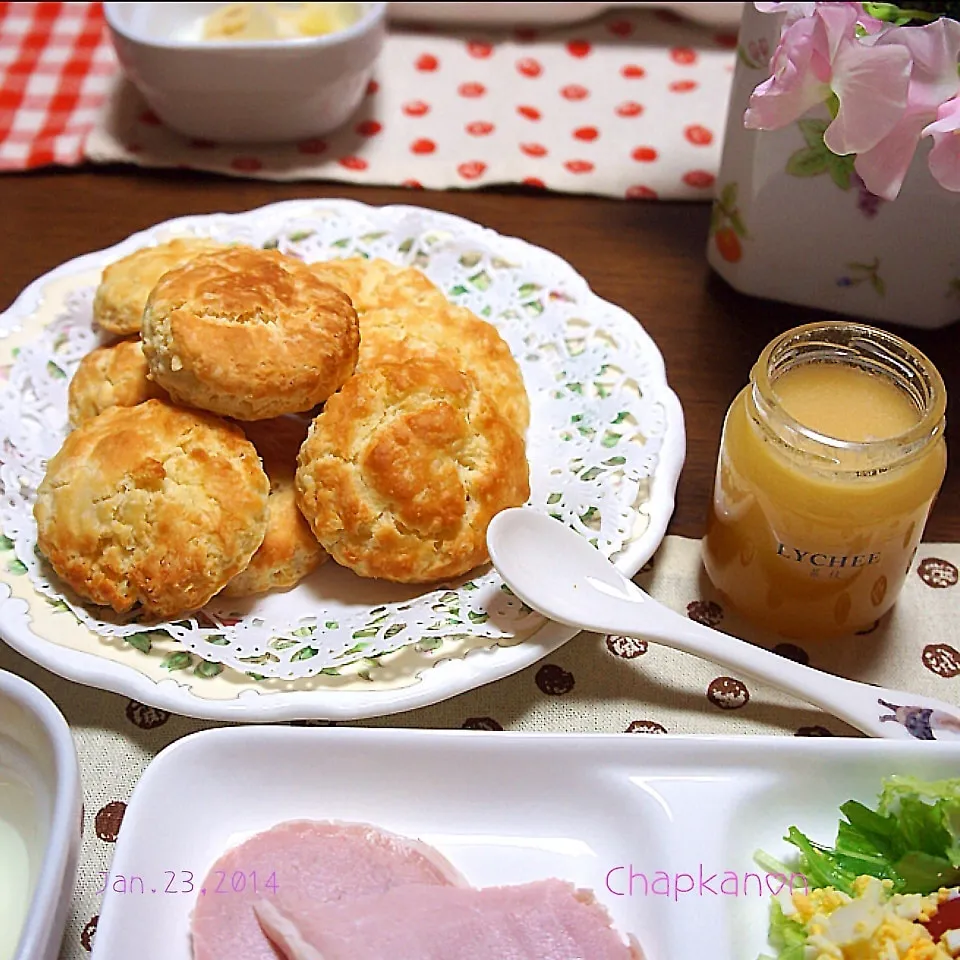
<point>793,222</point>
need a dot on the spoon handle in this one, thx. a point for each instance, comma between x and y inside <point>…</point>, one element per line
<point>876,711</point>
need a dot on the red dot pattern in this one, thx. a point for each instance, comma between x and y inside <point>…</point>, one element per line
<point>585,109</point>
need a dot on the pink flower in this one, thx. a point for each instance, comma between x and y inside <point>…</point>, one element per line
<point>821,54</point>
<point>944,158</point>
<point>933,50</point>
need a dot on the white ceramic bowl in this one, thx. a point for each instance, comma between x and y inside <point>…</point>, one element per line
<point>232,92</point>
<point>40,798</point>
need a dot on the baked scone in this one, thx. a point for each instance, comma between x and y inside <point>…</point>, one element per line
<point>376,283</point>
<point>250,334</point>
<point>405,468</point>
<point>454,334</point>
<point>289,551</point>
<point>112,376</point>
<point>152,505</point>
<point>119,301</point>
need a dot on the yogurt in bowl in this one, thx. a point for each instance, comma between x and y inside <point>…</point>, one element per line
<point>233,73</point>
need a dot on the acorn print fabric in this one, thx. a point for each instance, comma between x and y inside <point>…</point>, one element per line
<point>606,684</point>
<point>630,105</point>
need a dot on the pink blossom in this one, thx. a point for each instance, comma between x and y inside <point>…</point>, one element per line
<point>933,50</point>
<point>820,55</point>
<point>944,158</point>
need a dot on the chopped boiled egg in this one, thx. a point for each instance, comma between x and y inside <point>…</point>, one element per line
<point>874,924</point>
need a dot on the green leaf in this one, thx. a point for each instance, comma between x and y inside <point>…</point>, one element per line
<point>341,244</point>
<point>620,417</point>
<point>406,246</point>
<point>469,260</point>
<point>728,196</point>
<point>261,659</point>
<point>305,654</point>
<point>716,218</point>
<point>305,631</point>
<point>280,644</point>
<point>16,567</point>
<point>55,371</point>
<point>179,660</point>
<point>255,676</point>
<point>841,170</point>
<point>429,643</point>
<point>393,630</point>
<point>271,244</point>
<point>356,648</point>
<point>737,225</point>
<point>615,462</point>
<point>218,640</point>
<point>365,632</point>
<point>481,280</point>
<point>207,669</point>
<point>332,625</point>
<point>528,290</point>
<point>610,439</point>
<point>591,474</point>
<point>476,617</point>
<point>371,237</point>
<point>534,308</point>
<point>458,291</point>
<point>299,235</point>
<point>469,585</point>
<point>554,498</point>
<point>808,162</point>
<point>139,641</point>
<point>330,672</point>
<point>813,131</point>
<point>5,542</point>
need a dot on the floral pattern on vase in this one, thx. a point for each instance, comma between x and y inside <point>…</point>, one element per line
<point>726,225</point>
<point>817,236</point>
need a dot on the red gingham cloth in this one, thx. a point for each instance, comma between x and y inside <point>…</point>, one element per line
<point>56,70</point>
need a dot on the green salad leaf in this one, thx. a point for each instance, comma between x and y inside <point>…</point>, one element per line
<point>787,935</point>
<point>912,839</point>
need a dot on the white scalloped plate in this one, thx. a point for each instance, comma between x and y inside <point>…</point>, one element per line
<point>576,352</point>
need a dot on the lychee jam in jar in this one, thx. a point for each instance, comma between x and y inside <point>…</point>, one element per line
<point>830,460</point>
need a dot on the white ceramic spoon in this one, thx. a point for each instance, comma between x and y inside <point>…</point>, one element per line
<point>558,573</point>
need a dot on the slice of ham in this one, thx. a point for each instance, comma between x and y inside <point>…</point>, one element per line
<point>544,920</point>
<point>305,863</point>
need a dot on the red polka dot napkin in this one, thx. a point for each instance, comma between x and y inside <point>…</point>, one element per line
<point>629,105</point>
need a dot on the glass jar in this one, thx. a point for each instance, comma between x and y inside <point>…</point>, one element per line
<point>830,461</point>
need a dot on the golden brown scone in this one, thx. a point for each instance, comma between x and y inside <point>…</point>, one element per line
<point>404,470</point>
<point>250,334</point>
<point>289,551</point>
<point>404,315</point>
<point>119,301</point>
<point>373,284</point>
<point>154,505</point>
<point>113,376</point>
<point>453,334</point>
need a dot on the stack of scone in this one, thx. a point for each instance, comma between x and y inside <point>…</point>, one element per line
<point>193,467</point>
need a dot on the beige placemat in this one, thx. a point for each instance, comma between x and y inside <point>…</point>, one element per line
<point>593,683</point>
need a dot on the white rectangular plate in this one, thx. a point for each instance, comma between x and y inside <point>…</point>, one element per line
<point>508,808</point>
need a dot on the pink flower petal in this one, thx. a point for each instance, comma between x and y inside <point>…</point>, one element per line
<point>944,159</point>
<point>883,168</point>
<point>794,87</point>
<point>872,84</point>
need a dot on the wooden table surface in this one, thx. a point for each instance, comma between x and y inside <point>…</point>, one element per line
<point>648,257</point>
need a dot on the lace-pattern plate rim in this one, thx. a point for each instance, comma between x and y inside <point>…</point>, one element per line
<point>440,678</point>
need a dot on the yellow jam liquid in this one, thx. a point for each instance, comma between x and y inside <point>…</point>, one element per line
<point>803,549</point>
